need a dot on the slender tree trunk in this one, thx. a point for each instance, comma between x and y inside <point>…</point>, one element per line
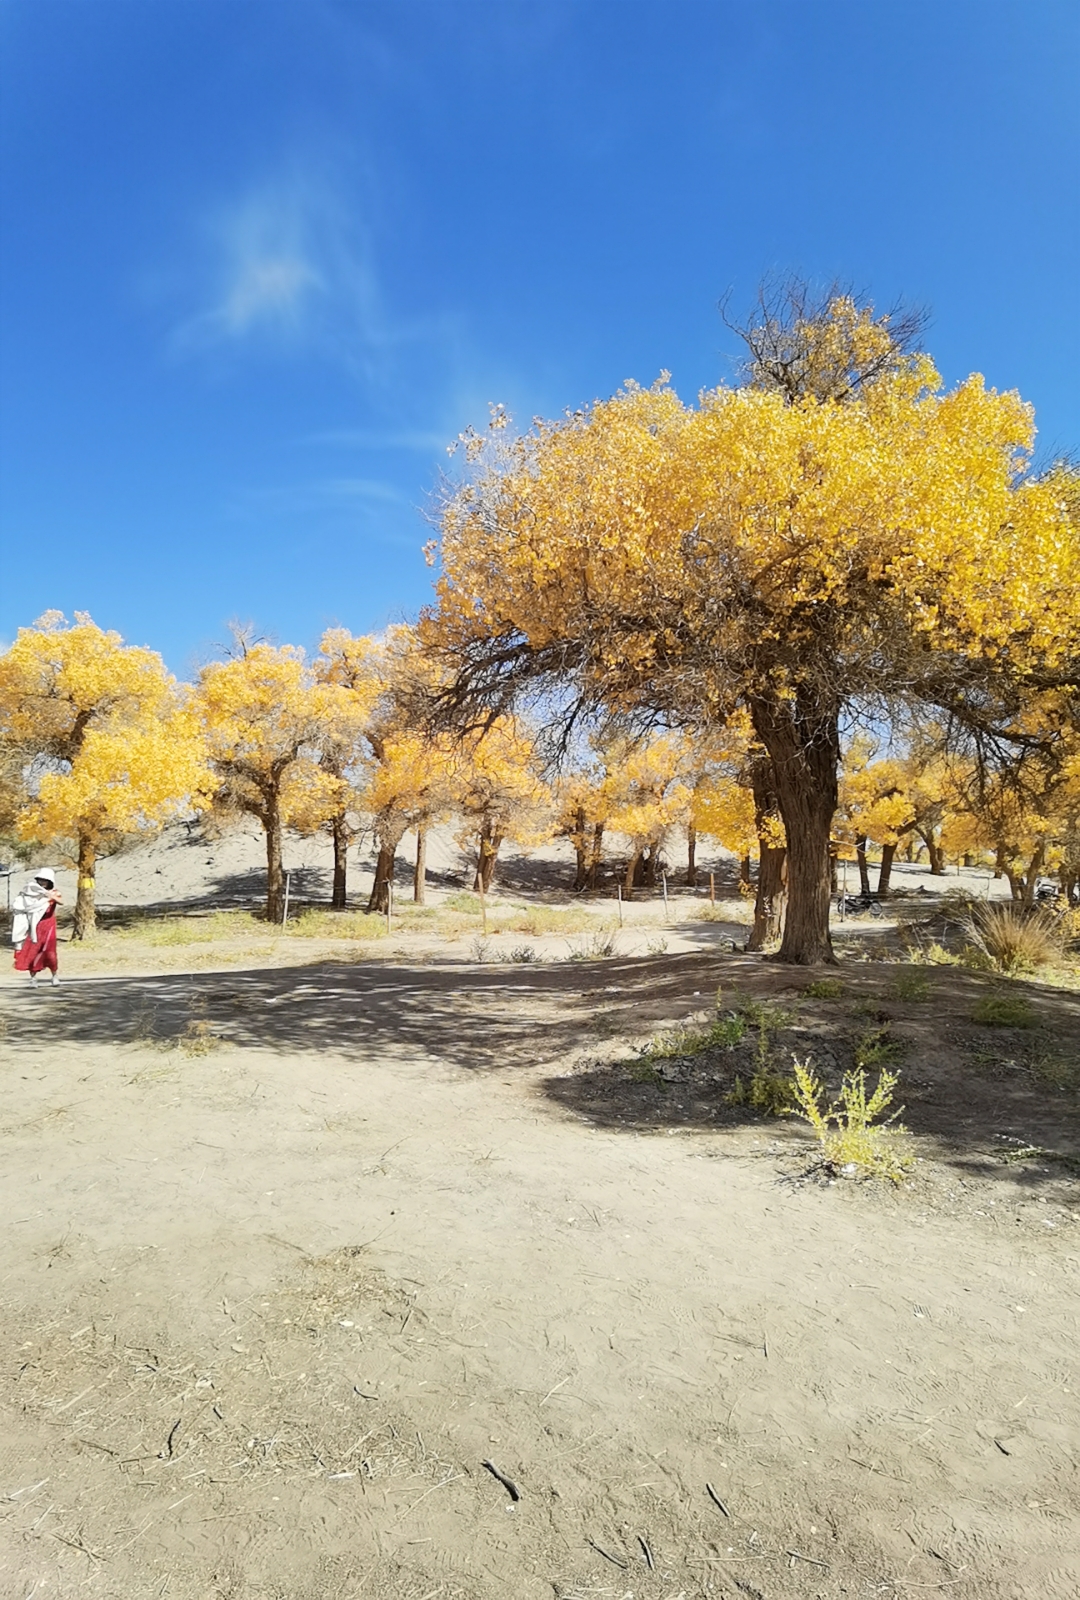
<point>1016,884</point>
<point>420,871</point>
<point>85,906</point>
<point>631,875</point>
<point>340,834</point>
<point>803,741</point>
<point>864,868</point>
<point>579,836</point>
<point>1031,878</point>
<point>487,859</point>
<point>384,871</point>
<point>744,872</point>
<point>888,855</point>
<point>769,903</point>
<point>275,874</point>
<point>935,852</point>
<point>999,861</point>
<point>650,862</point>
<point>691,856</point>
<point>597,853</point>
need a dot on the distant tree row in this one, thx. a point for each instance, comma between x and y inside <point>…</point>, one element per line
<point>100,744</point>
<point>829,603</point>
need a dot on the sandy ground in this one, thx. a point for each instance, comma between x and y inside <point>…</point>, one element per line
<point>268,1311</point>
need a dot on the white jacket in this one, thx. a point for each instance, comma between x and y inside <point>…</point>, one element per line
<point>29,908</point>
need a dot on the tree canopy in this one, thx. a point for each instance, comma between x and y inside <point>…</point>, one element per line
<point>795,556</point>
<point>102,739</point>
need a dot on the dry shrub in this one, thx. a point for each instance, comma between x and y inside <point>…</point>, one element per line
<point>199,1039</point>
<point>1012,937</point>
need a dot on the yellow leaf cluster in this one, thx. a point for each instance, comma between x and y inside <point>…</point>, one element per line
<point>111,736</point>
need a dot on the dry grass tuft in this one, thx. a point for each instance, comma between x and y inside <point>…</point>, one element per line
<point>1014,938</point>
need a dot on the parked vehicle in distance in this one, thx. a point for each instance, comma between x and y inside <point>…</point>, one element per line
<point>854,905</point>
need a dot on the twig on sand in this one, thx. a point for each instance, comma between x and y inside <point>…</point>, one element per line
<point>796,1555</point>
<point>165,1454</point>
<point>508,1483</point>
<point>556,1388</point>
<point>646,1552</point>
<point>716,1500</point>
<point>616,1561</point>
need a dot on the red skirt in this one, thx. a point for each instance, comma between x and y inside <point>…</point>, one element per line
<point>37,955</point>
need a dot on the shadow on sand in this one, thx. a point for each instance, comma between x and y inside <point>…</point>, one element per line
<point>967,1088</point>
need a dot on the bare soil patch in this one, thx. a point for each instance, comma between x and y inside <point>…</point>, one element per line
<point>293,1251</point>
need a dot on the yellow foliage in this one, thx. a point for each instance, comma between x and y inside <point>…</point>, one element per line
<point>783,553</point>
<point>497,785</point>
<point>108,739</point>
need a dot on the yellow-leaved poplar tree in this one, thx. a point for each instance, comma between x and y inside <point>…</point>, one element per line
<point>351,666</point>
<point>499,789</point>
<point>105,738</point>
<point>265,717</point>
<point>794,553</point>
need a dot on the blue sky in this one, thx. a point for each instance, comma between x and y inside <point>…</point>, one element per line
<point>263,259</point>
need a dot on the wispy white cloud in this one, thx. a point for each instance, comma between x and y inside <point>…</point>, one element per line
<point>287,263</point>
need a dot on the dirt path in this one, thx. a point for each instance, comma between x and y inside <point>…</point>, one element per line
<point>267,1311</point>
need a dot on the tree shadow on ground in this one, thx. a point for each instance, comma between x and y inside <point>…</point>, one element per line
<point>977,1092</point>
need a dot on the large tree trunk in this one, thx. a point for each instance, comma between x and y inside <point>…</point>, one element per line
<point>650,863</point>
<point>340,835</point>
<point>888,855</point>
<point>769,903</point>
<point>85,908</point>
<point>864,868</point>
<point>379,899</point>
<point>770,899</point>
<point>420,870</point>
<point>803,742</point>
<point>275,876</point>
<point>631,874</point>
<point>597,853</point>
<point>691,856</point>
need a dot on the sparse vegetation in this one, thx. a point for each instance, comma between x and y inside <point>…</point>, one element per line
<point>876,1047</point>
<point>723,911</point>
<point>1002,1010</point>
<point>597,947</point>
<point>768,1092</point>
<point>1055,1072</point>
<point>911,986</point>
<point>931,953</point>
<point>694,1040</point>
<point>199,1038</point>
<point>824,989</point>
<point>854,1139</point>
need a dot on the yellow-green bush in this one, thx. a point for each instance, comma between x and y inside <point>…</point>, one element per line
<point>852,1136</point>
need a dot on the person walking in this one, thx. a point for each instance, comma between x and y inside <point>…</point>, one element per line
<point>33,932</point>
